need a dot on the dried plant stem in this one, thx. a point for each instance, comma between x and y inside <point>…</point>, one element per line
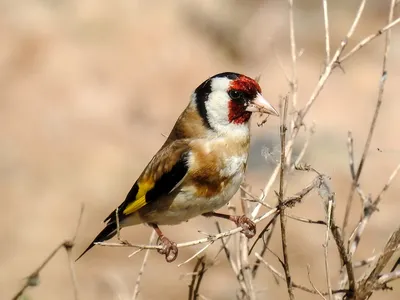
<point>245,268</point>
<point>346,259</point>
<point>290,201</point>
<point>331,65</point>
<point>305,220</point>
<point>293,50</point>
<point>195,255</point>
<point>136,290</point>
<point>295,285</point>
<point>327,38</point>
<point>265,191</point>
<point>373,123</point>
<point>267,240</point>
<point>208,239</point>
<point>369,208</point>
<point>368,39</point>
<point>302,113</point>
<point>385,188</point>
<point>365,262</point>
<point>329,197</point>
<point>197,277</point>
<point>33,278</point>
<point>385,278</point>
<point>311,131</point>
<point>326,245</point>
<point>243,254</point>
<point>350,149</point>
<point>232,262</point>
<point>281,195</point>
<point>371,281</point>
<point>369,260</point>
<point>314,287</point>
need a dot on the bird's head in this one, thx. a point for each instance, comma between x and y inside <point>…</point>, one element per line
<point>226,101</point>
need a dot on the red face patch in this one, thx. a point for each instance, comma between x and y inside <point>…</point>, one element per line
<point>237,109</point>
<point>237,113</point>
<point>246,85</point>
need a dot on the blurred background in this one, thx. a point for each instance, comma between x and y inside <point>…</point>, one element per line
<point>89,87</point>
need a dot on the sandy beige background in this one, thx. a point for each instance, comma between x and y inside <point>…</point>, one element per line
<point>88,87</point>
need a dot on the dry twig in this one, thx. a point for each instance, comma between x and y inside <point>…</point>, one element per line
<point>295,285</point>
<point>293,50</point>
<point>141,271</point>
<point>373,281</point>
<point>329,207</point>
<point>232,262</point>
<point>373,123</point>
<point>314,287</point>
<point>327,38</point>
<point>281,201</point>
<point>328,196</point>
<point>197,277</point>
<point>302,113</point>
<point>33,278</point>
<point>244,264</point>
<point>208,239</point>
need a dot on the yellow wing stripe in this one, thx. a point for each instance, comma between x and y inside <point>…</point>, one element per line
<point>140,199</point>
<point>144,187</point>
<point>134,206</point>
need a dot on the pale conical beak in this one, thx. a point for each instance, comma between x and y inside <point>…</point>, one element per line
<point>259,104</point>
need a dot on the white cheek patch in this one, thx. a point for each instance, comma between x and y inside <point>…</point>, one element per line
<point>217,109</point>
<point>217,103</point>
<point>220,84</point>
<point>217,106</point>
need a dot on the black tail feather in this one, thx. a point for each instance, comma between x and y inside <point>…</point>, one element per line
<point>107,233</point>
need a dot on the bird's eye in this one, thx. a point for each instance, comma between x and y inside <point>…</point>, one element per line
<point>235,95</point>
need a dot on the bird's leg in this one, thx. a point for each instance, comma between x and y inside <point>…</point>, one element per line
<point>169,249</point>
<point>249,228</point>
<point>124,242</point>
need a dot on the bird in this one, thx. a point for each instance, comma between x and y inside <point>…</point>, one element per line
<point>200,166</point>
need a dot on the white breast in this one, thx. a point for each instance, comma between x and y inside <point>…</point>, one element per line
<point>233,164</point>
<point>187,205</point>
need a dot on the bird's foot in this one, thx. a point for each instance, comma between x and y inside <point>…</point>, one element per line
<point>248,226</point>
<point>169,249</point>
<point>124,242</point>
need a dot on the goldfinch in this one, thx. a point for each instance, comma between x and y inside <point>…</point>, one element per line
<point>200,166</point>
